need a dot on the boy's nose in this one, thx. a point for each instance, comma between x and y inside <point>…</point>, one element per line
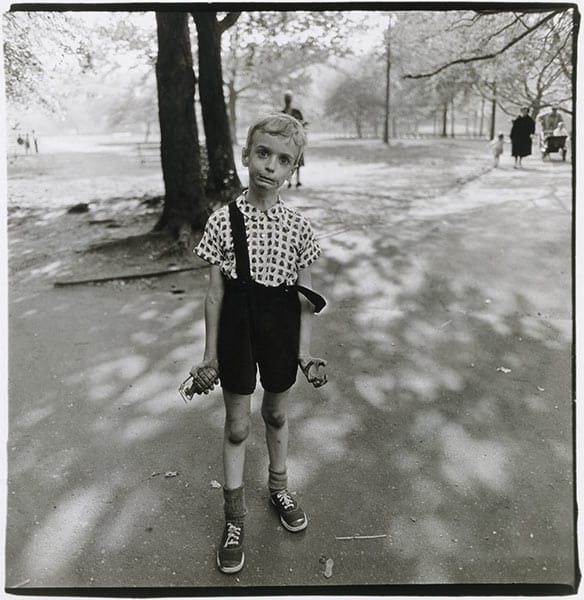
<point>271,164</point>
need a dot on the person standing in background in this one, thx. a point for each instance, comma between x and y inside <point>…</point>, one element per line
<point>297,114</point>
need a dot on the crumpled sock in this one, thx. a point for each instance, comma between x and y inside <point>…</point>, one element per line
<point>277,481</point>
<point>234,504</point>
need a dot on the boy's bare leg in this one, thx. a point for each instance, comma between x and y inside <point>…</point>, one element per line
<point>237,409</point>
<point>274,414</point>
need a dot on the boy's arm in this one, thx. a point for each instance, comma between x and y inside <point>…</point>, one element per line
<point>311,366</point>
<point>213,302</point>
<point>205,374</point>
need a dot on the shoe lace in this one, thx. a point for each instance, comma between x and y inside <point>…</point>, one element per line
<point>233,534</point>
<point>285,499</point>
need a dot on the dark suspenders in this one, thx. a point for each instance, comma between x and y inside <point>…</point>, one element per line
<point>239,243</point>
<point>242,258</point>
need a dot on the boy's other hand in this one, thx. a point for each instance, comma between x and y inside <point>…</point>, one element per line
<point>313,369</point>
<point>205,376</point>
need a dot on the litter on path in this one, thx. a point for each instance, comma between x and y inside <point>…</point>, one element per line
<point>328,568</point>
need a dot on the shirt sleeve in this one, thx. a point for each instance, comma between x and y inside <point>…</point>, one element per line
<point>309,249</point>
<point>210,248</point>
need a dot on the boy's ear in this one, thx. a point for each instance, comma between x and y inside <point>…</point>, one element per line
<point>245,156</point>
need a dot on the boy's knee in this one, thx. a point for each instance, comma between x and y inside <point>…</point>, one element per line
<point>275,419</point>
<point>237,432</point>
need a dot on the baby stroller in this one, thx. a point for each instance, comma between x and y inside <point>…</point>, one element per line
<point>549,144</point>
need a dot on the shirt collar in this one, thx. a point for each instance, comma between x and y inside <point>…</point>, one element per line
<point>251,212</point>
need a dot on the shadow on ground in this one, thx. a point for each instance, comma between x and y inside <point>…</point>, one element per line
<point>446,426</point>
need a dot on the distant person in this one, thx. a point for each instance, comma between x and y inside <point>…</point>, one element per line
<point>497,148</point>
<point>294,112</point>
<point>26,143</point>
<point>35,142</point>
<point>550,121</point>
<point>521,131</point>
<point>260,252</point>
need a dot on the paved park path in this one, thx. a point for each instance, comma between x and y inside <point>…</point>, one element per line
<point>440,451</point>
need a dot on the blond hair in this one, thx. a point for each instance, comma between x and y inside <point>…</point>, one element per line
<point>282,125</point>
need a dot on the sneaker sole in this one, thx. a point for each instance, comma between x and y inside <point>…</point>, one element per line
<point>297,528</point>
<point>230,570</point>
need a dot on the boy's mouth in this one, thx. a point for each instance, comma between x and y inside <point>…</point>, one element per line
<point>265,179</point>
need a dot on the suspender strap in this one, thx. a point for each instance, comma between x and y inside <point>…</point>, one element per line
<point>239,243</point>
<point>242,258</point>
<point>312,296</point>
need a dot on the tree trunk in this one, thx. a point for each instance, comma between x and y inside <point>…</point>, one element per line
<point>222,180</point>
<point>185,203</point>
<point>445,120</point>
<point>231,103</point>
<point>493,111</point>
<point>387,85</point>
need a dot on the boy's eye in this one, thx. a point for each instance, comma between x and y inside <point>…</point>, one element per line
<point>262,153</point>
<point>284,160</point>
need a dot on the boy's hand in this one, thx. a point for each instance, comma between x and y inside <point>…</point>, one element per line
<point>312,369</point>
<point>203,378</point>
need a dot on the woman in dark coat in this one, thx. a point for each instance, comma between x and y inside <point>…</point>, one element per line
<point>521,131</point>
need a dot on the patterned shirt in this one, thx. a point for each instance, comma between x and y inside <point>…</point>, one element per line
<point>280,242</point>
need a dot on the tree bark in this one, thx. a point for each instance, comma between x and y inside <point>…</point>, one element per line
<point>185,203</point>
<point>222,180</point>
<point>493,111</point>
<point>387,85</point>
<point>444,119</point>
<point>231,102</point>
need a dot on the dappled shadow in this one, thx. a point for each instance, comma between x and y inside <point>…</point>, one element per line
<point>451,430</point>
<point>445,427</point>
<point>465,468</point>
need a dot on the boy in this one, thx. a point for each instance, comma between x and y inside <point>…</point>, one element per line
<point>260,253</point>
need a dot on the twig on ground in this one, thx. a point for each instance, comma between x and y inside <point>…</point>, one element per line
<point>145,275</point>
<point>361,537</point>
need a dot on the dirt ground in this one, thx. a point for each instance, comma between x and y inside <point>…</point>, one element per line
<point>440,452</point>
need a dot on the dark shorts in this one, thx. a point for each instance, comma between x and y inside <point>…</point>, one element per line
<point>259,327</point>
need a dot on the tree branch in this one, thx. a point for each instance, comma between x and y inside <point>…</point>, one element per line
<point>485,56</point>
<point>228,21</point>
<point>504,28</point>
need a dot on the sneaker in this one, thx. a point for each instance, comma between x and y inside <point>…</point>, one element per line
<point>230,556</point>
<point>291,515</point>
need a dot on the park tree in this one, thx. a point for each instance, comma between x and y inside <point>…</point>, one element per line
<point>357,98</point>
<point>300,40</point>
<point>222,179</point>
<point>518,57</point>
<point>185,207</point>
<point>125,59</point>
<point>537,71</point>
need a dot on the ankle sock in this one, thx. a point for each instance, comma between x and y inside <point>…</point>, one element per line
<point>234,504</point>
<point>277,481</point>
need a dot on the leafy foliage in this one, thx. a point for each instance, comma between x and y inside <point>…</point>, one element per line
<point>528,54</point>
<point>42,52</point>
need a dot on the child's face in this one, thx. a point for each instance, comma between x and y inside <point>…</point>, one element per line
<point>270,160</point>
